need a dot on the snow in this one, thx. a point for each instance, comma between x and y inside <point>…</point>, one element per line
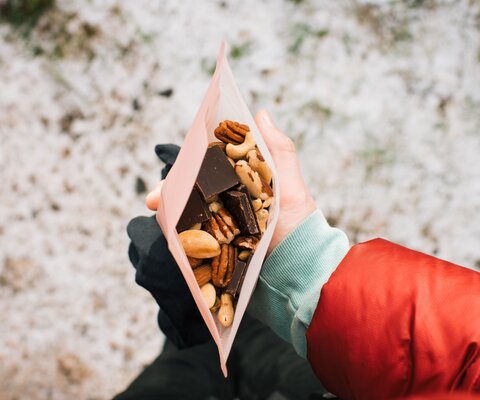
<point>381,98</point>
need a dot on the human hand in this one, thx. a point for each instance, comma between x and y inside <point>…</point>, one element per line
<point>296,202</point>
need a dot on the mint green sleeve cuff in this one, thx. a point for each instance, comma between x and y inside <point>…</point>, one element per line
<point>292,277</point>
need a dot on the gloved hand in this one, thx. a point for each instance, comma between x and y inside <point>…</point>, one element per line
<point>157,271</point>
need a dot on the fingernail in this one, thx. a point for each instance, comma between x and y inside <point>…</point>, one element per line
<point>267,118</point>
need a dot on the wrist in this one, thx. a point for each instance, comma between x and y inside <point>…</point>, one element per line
<point>290,219</point>
<point>293,275</point>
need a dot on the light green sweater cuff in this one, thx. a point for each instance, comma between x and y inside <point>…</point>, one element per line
<point>292,277</point>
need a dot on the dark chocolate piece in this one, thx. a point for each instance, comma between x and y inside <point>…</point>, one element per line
<point>240,206</point>
<point>196,210</point>
<point>216,174</point>
<point>247,261</point>
<point>235,284</point>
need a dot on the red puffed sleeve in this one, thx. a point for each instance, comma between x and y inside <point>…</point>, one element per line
<point>393,322</point>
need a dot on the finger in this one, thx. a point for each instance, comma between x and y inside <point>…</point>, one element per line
<point>275,139</point>
<point>282,149</point>
<point>153,198</point>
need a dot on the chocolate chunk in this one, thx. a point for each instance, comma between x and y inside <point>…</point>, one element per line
<point>240,206</point>
<point>234,286</point>
<point>216,174</point>
<point>238,277</point>
<point>195,211</point>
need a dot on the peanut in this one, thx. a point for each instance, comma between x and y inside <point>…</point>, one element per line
<point>225,313</point>
<point>262,218</point>
<point>258,163</point>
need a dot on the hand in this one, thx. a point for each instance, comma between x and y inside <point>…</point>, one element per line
<point>296,202</point>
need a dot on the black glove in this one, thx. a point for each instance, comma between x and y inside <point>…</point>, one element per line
<point>157,271</point>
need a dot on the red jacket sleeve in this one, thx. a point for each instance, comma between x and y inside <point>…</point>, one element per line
<point>392,322</point>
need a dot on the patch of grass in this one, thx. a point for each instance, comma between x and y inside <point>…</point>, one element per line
<point>301,32</point>
<point>317,108</point>
<point>374,157</point>
<point>390,26</point>
<point>24,14</point>
<point>208,66</point>
<point>240,50</point>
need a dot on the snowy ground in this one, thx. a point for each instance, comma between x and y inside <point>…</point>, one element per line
<point>382,99</point>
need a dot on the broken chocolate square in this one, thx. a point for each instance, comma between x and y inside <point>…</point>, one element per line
<point>195,211</point>
<point>238,277</point>
<point>216,174</point>
<point>239,205</point>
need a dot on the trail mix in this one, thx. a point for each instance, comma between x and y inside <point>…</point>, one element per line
<point>226,215</point>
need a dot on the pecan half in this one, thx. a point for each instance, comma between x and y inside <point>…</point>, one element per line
<point>231,132</point>
<point>223,265</point>
<point>246,242</point>
<point>211,226</point>
<point>222,226</point>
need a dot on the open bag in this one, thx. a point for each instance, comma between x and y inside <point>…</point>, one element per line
<point>222,102</point>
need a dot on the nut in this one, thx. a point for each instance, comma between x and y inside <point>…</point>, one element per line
<point>223,265</point>
<point>258,163</point>
<point>246,242</point>
<point>219,144</point>
<point>225,313</point>
<point>221,226</point>
<point>211,226</point>
<point>257,204</point>
<point>231,162</point>
<point>216,306</point>
<point>213,199</point>
<point>209,294</point>
<point>262,218</point>
<point>251,179</point>
<point>196,226</point>
<point>237,151</point>
<point>199,244</point>
<point>214,206</point>
<point>243,255</point>
<point>231,132</point>
<point>194,262</point>
<point>203,274</point>
<point>267,203</point>
<point>228,220</point>
<point>227,233</point>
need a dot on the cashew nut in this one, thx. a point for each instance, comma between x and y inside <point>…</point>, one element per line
<point>240,150</point>
<point>225,314</point>
<point>262,218</point>
<point>267,203</point>
<point>258,163</point>
<point>257,204</point>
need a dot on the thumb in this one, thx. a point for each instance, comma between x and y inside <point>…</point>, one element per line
<point>276,140</point>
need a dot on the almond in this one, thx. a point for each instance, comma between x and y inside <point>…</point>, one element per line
<point>199,244</point>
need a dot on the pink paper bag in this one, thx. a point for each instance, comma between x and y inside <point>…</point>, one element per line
<point>222,101</point>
